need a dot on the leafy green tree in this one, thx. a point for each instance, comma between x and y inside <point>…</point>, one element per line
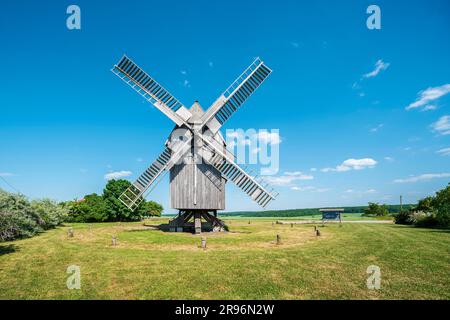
<point>117,211</point>
<point>151,208</point>
<point>425,204</point>
<point>92,208</point>
<point>441,204</point>
<point>375,209</point>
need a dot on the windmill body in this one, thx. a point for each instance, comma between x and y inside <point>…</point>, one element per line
<point>196,184</point>
<point>195,153</point>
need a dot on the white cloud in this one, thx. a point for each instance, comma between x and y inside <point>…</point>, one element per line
<point>117,174</point>
<point>288,178</point>
<point>186,84</point>
<point>428,95</point>
<point>361,192</point>
<point>423,177</point>
<point>428,107</point>
<point>353,164</point>
<point>378,127</point>
<point>442,126</point>
<point>268,137</point>
<point>6,174</point>
<point>444,152</point>
<point>389,159</point>
<point>313,169</point>
<point>310,188</point>
<point>379,66</point>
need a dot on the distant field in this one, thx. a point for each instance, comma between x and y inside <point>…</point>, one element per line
<point>245,263</point>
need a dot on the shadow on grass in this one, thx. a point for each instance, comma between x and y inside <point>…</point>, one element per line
<point>10,248</point>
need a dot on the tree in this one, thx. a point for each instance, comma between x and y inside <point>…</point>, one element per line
<point>441,204</point>
<point>117,211</point>
<point>425,204</point>
<point>151,208</point>
<point>91,208</point>
<point>375,209</point>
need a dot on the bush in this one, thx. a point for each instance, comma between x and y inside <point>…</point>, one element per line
<point>403,217</point>
<point>19,218</point>
<point>51,213</point>
<point>427,221</point>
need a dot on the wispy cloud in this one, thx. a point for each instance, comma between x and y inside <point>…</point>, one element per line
<point>444,152</point>
<point>423,177</point>
<point>389,159</point>
<point>117,174</point>
<point>352,164</point>
<point>183,72</point>
<point>442,126</point>
<point>310,188</point>
<point>368,191</point>
<point>139,159</point>
<point>288,178</point>
<point>295,44</point>
<point>378,127</point>
<point>186,84</point>
<point>425,97</point>
<point>379,66</point>
<point>6,174</point>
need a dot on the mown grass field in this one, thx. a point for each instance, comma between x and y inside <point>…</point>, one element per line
<point>245,263</point>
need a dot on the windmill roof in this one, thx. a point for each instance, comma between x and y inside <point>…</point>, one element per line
<point>196,111</point>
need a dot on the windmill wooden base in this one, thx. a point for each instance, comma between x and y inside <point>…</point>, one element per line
<point>191,221</point>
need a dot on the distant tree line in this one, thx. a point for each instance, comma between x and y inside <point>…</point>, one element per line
<point>391,209</point>
<point>432,211</point>
<point>108,207</point>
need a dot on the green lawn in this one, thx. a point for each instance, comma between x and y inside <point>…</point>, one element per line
<point>243,264</point>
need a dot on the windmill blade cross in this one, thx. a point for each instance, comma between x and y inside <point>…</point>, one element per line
<point>223,161</point>
<point>235,95</point>
<point>151,90</point>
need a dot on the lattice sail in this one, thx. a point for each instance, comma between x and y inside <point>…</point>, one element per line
<point>151,90</point>
<point>134,195</point>
<point>223,162</point>
<point>237,93</point>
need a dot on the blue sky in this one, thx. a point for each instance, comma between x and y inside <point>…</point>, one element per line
<point>338,92</point>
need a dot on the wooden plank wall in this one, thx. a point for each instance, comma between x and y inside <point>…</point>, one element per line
<point>210,191</point>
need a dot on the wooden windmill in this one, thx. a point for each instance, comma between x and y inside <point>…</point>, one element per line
<point>195,153</point>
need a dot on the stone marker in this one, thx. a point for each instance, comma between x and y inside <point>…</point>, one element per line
<point>114,240</point>
<point>70,233</point>
<point>278,239</point>
<point>203,243</point>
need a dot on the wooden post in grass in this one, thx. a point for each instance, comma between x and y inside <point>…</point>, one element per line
<point>278,239</point>
<point>70,232</point>
<point>249,222</point>
<point>317,232</point>
<point>204,243</point>
<point>114,241</point>
<point>292,225</point>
